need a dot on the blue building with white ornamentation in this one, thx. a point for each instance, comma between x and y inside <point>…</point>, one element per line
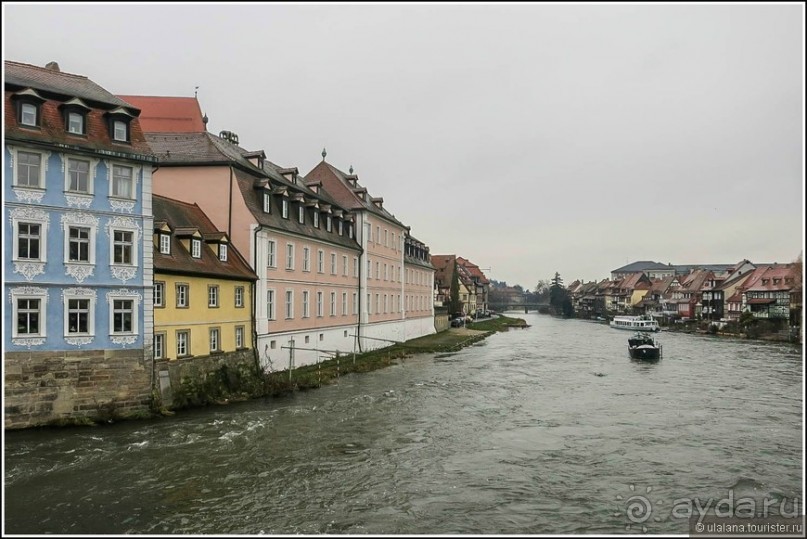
<point>77,225</point>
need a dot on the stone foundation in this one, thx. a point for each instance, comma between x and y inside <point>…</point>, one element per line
<point>76,386</point>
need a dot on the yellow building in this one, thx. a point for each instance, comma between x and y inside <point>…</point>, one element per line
<point>203,287</point>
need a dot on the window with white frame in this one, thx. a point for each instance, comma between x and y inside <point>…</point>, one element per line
<point>320,261</point>
<point>123,316</point>
<point>79,316</point>
<point>355,303</point>
<point>165,244</point>
<point>333,303</point>
<point>355,266</point>
<point>385,303</point>
<point>320,307</point>
<point>214,339</point>
<point>333,263</point>
<point>159,294</point>
<point>377,272</point>
<point>340,227</point>
<point>369,304</point>
<point>344,303</point>
<point>29,114</point>
<point>29,240</point>
<point>159,346</point>
<point>79,244</point>
<point>223,252</point>
<point>301,214</point>
<point>122,182</point>
<point>306,259</point>
<point>289,304</point>
<point>212,295</point>
<point>385,238</point>
<point>271,254</point>
<point>196,248</point>
<point>289,256</point>
<point>239,296</point>
<point>29,169</point>
<point>306,311</point>
<point>123,247</point>
<point>239,337</point>
<point>183,342</point>
<point>378,235</point>
<point>75,123</point>
<point>316,218</point>
<point>30,312</point>
<point>328,223</point>
<point>267,203</point>
<point>120,131</point>
<point>385,271</point>
<point>350,230</point>
<point>183,295</point>
<point>344,265</point>
<point>285,208</point>
<point>378,303</point>
<point>270,304</point>
<point>78,176</point>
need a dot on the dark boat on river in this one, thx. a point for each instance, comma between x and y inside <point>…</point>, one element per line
<point>644,346</point>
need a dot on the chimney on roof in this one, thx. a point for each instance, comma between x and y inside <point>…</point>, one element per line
<point>53,66</point>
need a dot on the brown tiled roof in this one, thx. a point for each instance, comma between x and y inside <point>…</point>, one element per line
<point>168,114</point>
<point>253,198</point>
<point>198,149</point>
<point>181,215</point>
<point>335,182</point>
<point>57,88</point>
<point>444,266</point>
<point>764,281</point>
<point>64,84</point>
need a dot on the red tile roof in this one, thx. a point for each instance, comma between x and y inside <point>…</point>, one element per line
<point>181,215</point>
<point>168,114</point>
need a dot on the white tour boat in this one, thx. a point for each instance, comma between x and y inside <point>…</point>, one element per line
<point>635,323</point>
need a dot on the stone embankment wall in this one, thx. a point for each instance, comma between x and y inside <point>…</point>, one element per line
<point>202,380</point>
<point>75,387</point>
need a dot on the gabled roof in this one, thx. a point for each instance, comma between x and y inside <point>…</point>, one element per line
<point>473,269</point>
<point>186,217</point>
<point>694,281</point>
<point>168,114</point>
<point>57,82</point>
<point>630,281</point>
<point>338,185</point>
<point>444,269</point>
<point>764,281</point>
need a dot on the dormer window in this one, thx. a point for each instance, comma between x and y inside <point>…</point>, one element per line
<point>316,219</point>
<point>350,230</point>
<point>339,223</point>
<point>223,252</point>
<point>328,223</point>
<point>267,203</point>
<point>74,113</point>
<point>196,248</point>
<point>119,128</point>
<point>165,244</point>
<point>285,208</point>
<point>29,107</point>
<point>301,214</point>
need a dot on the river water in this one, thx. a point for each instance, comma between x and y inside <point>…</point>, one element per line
<point>546,430</point>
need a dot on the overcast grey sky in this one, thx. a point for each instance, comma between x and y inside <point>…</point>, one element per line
<point>529,138</point>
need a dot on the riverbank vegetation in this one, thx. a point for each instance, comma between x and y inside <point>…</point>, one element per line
<point>328,371</point>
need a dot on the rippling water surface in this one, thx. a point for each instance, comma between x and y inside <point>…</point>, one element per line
<point>550,429</point>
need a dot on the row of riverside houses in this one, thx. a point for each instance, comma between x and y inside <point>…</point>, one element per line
<point>718,292</point>
<point>142,243</point>
<point>473,286</point>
